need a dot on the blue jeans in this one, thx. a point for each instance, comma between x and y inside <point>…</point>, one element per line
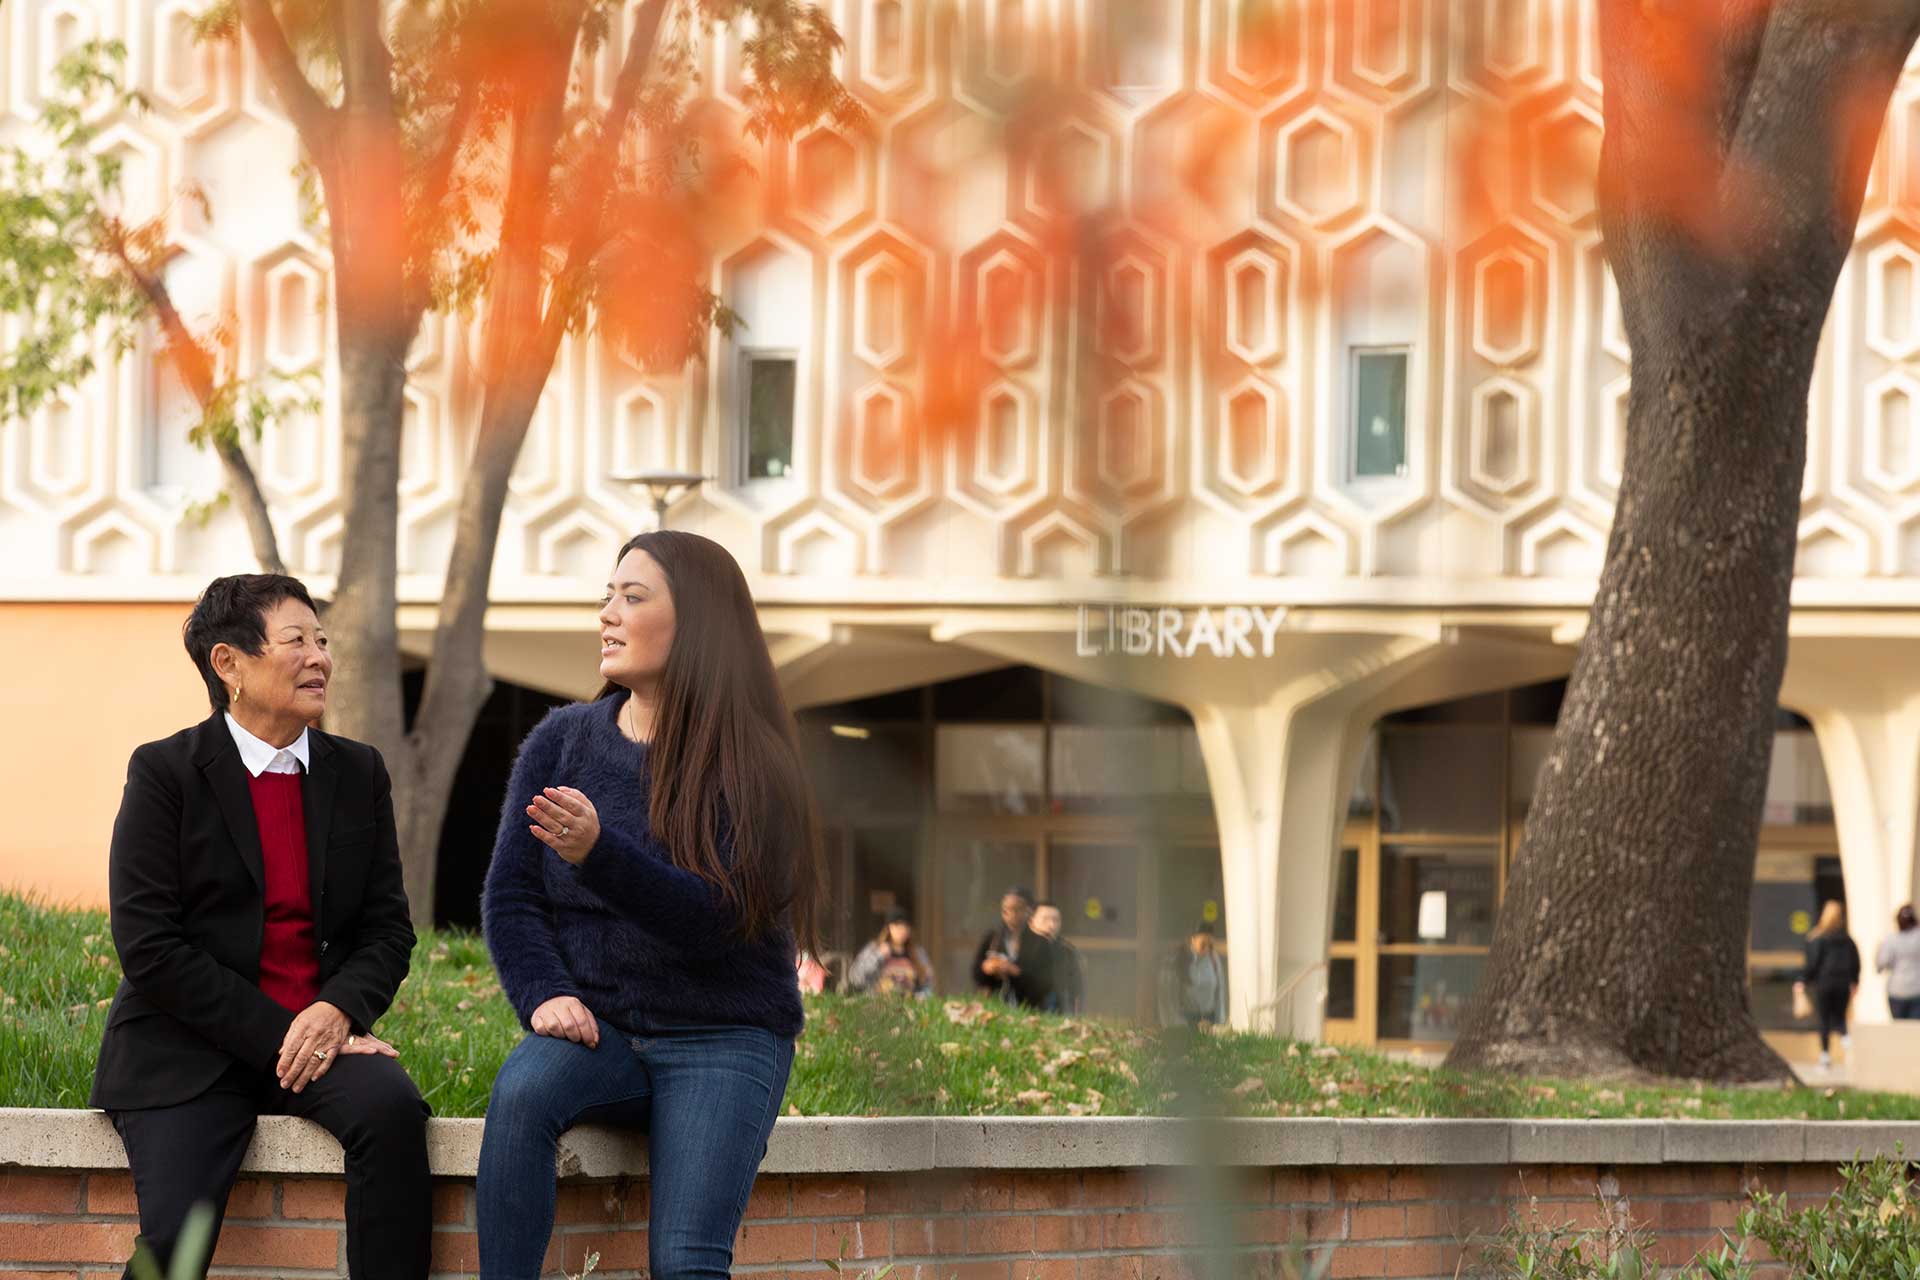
<point>1904,1007</point>
<point>706,1096</point>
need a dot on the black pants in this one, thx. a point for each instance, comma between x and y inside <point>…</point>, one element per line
<point>1904,1007</point>
<point>191,1151</point>
<point>1830,1006</point>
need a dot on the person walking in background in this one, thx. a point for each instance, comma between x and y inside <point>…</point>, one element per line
<point>893,963</point>
<point>1900,954</point>
<point>655,873</point>
<point>1832,976</point>
<point>257,908</point>
<point>1013,962</point>
<point>1193,983</point>
<point>1069,971</point>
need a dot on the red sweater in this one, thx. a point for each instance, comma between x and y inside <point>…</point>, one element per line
<point>289,960</point>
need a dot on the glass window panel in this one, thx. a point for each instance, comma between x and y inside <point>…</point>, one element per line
<point>1772,988</point>
<point>859,769</point>
<point>1113,981</point>
<point>769,426</point>
<point>1342,1000</point>
<point>974,874</point>
<point>1102,768</point>
<point>989,768</point>
<point>1380,413</point>
<point>1425,997</point>
<point>1097,887</point>
<point>1437,895</point>
<point>1346,896</point>
<point>1077,702</point>
<point>1785,901</point>
<point>885,860</point>
<point>1529,750</point>
<point>1797,780</point>
<point>1191,890</point>
<point>1008,693</point>
<point>1441,781</point>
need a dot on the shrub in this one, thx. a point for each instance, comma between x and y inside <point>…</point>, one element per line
<point>1868,1229</point>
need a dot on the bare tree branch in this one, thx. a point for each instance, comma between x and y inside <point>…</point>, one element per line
<point>304,106</point>
<point>195,367</point>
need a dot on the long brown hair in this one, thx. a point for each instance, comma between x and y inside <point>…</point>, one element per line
<point>725,743</point>
<point>1833,919</point>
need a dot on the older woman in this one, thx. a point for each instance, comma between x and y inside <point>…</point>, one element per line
<point>262,929</point>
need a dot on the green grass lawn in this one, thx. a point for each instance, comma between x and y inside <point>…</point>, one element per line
<point>865,1056</point>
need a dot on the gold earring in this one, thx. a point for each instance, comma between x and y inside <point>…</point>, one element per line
<point>236,695</point>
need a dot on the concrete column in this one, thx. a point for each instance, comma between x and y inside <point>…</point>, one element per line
<point>1862,696</point>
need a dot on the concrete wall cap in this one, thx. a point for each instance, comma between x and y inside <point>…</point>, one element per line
<point>85,1140</point>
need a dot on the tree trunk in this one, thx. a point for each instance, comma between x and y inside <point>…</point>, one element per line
<point>1621,946</point>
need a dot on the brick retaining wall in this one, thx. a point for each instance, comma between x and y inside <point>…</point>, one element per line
<point>1073,1221</point>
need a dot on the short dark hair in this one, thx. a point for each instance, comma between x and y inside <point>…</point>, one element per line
<point>1904,918</point>
<point>1205,926</point>
<point>233,611</point>
<point>1017,891</point>
<point>1046,902</point>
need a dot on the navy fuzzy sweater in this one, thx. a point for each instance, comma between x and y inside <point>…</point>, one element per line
<point>640,942</point>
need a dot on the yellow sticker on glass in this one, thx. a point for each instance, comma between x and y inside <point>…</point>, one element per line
<point>1093,908</point>
<point>1210,911</point>
<point>1800,922</point>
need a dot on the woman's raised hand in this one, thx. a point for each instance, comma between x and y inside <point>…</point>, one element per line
<point>565,1018</point>
<point>565,821</point>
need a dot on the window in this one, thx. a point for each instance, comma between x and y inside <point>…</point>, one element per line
<point>1379,413</point>
<point>767,422</point>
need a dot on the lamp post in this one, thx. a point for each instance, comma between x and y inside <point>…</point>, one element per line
<point>663,487</point>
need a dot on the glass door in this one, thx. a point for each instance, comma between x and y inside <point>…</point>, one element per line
<point>974,871</point>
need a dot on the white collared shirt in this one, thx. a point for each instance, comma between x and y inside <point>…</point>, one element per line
<point>263,757</point>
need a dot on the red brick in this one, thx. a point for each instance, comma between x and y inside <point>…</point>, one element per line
<point>983,1193</point>
<point>1000,1234</point>
<point>1113,1266</point>
<point>313,1198</point>
<point>1327,1224</point>
<point>456,1251</point>
<point>1683,1215</point>
<point>251,1200</point>
<point>1301,1186</point>
<point>1112,1189</point>
<point>1412,1184</point>
<point>595,1203</point>
<point>1427,1221</point>
<point>1265,1226</point>
<point>312,1248</point>
<point>111,1193</point>
<point>1363,1184</point>
<point>1379,1222</point>
<point>68,1242</point>
<point>54,1275</point>
<point>865,1238</point>
<point>1416,1260</point>
<point>1046,1190</point>
<point>1368,1261</point>
<point>771,1198</point>
<point>619,1250</point>
<point>774,1242</point>
<point>1045,1269</point>
<point>39,1193</point>
<point>450,1202</point>
<point>1666,1182</point>
<point>829,1197</point>
<point>975,1271</point>
<point>908,1193</point>
<point>1820,1179</point>
<point>1143,1230</point>
<point>1065,1232</point>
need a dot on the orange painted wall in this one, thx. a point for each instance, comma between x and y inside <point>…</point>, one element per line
<point>81,685</point>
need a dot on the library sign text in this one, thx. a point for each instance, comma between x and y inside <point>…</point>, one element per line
<point>1235,631</point>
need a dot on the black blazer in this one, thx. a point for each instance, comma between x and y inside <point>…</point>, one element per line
<point>1036,978</point>
<point>186,889</point>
